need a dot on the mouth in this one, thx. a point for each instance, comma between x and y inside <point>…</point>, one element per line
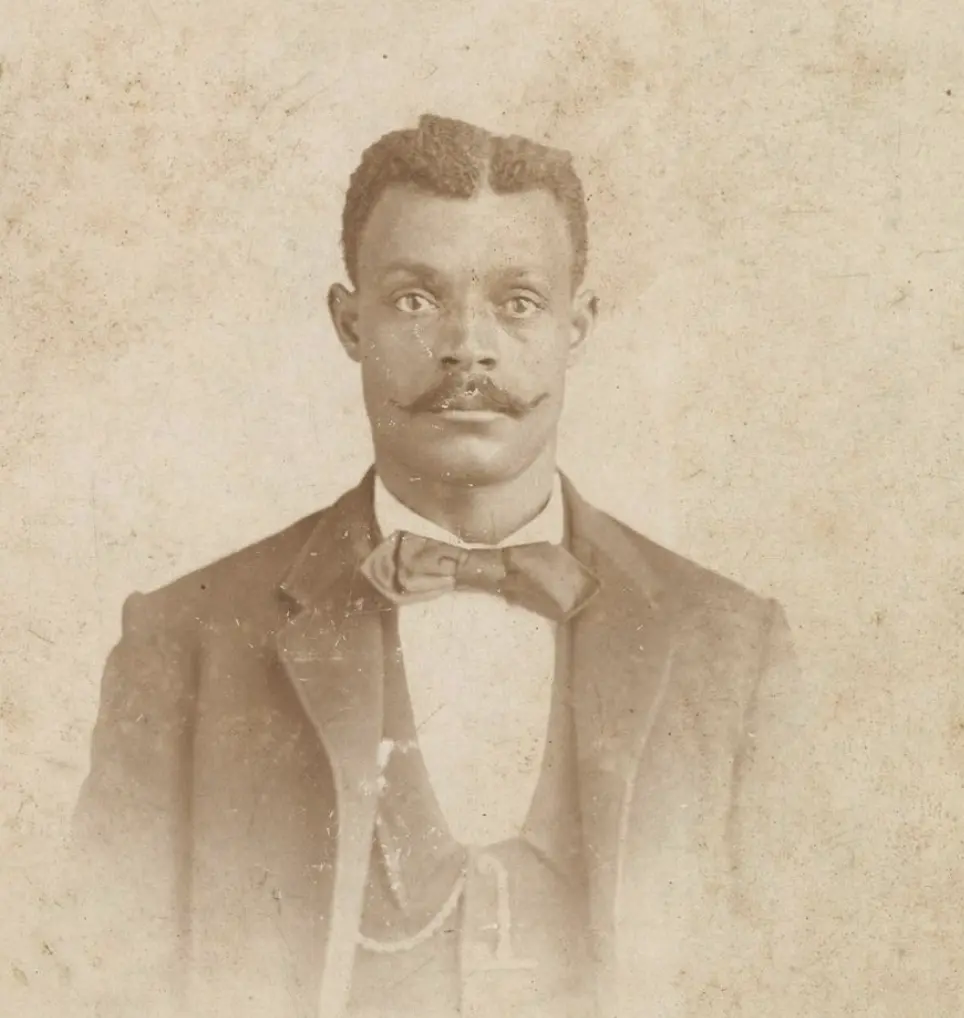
<point>468,415</point>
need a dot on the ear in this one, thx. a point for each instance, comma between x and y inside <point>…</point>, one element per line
<point>585,309</point>
<point>343,308</point>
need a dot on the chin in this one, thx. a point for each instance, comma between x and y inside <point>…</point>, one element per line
<point>468,462</point>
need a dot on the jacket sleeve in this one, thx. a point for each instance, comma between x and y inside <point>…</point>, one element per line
<point>772,797</point>
<point>129,850</point>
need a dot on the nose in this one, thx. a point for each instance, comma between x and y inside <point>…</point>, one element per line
<point>469,343</point>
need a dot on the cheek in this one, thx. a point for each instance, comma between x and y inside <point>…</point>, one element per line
<point>544,353</point>
<point>394,350</point>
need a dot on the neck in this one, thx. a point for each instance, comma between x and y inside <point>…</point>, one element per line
<point>483,514</point>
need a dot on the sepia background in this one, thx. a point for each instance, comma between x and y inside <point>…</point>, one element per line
<point>775,388</point>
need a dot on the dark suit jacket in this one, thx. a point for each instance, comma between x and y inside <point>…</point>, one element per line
<point>227,818</point>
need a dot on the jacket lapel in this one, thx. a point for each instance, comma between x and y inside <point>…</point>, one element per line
<point>622,656</point>
<point>332,650</point>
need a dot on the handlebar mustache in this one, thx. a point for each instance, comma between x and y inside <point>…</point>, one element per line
<point>471,392</point>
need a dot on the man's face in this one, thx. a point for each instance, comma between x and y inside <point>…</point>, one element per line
<point>464,322</point>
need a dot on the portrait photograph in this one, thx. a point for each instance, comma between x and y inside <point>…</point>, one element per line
<point>482,510</point>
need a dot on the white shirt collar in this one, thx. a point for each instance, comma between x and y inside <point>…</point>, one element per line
<point>392,515</point>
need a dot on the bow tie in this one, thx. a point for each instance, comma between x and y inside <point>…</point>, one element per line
<point>542,577</point>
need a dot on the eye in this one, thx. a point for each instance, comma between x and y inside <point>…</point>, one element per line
<point>522,305</point>
<point>414,303</point>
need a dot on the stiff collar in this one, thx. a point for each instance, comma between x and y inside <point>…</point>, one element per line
<point>392,515</point>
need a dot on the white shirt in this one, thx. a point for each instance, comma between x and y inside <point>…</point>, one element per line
<point>480,674</point>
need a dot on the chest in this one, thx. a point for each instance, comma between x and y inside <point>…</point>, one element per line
<point>479,676</point>
<point>465,653</point>
<point>285,721</point>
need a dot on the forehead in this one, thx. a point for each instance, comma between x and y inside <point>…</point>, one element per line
<point>481,235</point>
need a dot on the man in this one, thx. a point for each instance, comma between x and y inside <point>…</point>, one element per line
<point>459,744</point>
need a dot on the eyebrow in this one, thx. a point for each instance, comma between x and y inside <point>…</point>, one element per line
<point>418,269</point>
<point>522,274</point>
<point>435,277</point>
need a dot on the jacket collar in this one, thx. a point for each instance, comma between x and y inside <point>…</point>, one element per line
<point>344,534</point>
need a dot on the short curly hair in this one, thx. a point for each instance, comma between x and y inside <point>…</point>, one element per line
<point>454,159</point>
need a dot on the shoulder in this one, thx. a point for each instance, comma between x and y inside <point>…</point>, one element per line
<point>726,636</point>
<point>690,582</point>
<point>658,569</point>
<point>245,583</point>
<point>704,608</point>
